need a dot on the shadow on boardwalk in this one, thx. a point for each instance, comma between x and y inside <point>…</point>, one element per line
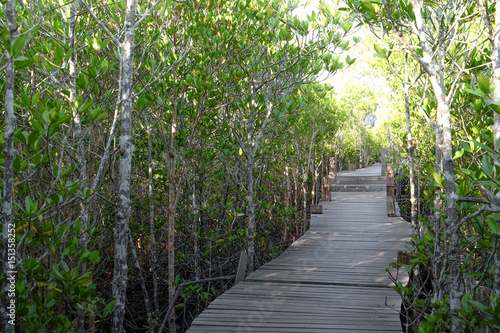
<point>332,279</point>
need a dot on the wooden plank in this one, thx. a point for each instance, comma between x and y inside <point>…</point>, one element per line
<point>328,277</point>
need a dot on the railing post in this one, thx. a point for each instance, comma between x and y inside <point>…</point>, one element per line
<point>391,204</point>
<point>332,172</point>
<point>242,267</point>
<point>329,179</point>
<point>383,160</point>
<point>326,190</point>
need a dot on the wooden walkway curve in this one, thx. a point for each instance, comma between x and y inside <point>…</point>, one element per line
<point>332,279</point>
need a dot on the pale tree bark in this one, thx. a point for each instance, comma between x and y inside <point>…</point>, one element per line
<point>411,158</point>
<point>435,73</point>
<point>126,151</point>
<point>154,254</point>
<point>8,252</point>
<point>251,145</point>
<point>172,205</point>
<point>196,249</point>
<point>250,214</point>
<point>249,150</point>
<point>305,172</point>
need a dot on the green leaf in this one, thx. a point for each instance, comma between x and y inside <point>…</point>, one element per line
<point>240,151</point>
<point>458,154</point>
<point>41,283</point>
<point>73,189</point>
<point>35,98</point>
<point>4,35</point>
<point>19,44</point>
<point>50,302</point>
<point>22,136</point>
<point>493,226</point>
<point>487,167</point>
<point>482,145</point>
<point>25,99</point>
<point>473,274</point>
<point>484,83</point>
<point>106,310</point>
<point>94,256</point>
<point>437,178</point>
<point>494,105</point>
<point>85,280</point>
<point>477,305</point>
<point>96,43</point>
<point>476,92</point>
<point>380,51</point>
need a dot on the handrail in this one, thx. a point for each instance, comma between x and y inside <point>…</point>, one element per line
<point>391,203</point>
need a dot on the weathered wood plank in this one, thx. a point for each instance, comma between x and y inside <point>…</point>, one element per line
<point>328,278</point>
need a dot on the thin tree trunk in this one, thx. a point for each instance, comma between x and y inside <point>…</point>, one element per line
<point>288,188</point>
<point>297,197</point>
<point>304,178</point>
<point>250,213</point>
<point>196,249</point>
<point>313,188</point>
<point>287,201</point>
<point>152,229</point>
<point>452,223</point>
<point>304,204</point>
<point>126,151</point>
<point>438,256</point>
<point>172,200</point>
<point>443,130</point>
<point>9,245</point>
<point>413,199</point>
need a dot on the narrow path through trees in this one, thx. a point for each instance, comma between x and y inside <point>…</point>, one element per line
<point>332,275</point>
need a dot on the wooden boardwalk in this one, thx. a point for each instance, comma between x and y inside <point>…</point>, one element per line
<point>332,279</point>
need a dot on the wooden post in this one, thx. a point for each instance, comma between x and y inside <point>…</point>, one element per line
<point>315,209</point>
<point>391,205</point>
<point>383,159</point>
<point>351,167</point>
<point>326,190</point>
<point>242,267</point>
<point>332,172</point>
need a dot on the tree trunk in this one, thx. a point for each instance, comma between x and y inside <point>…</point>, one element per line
<point>288,188</point>
<point>9,245</point>
<point>172,203</point>
<point>411,159</point>
<point>304,205</point>
<point>314,175</point>
<point>196,249</point>
<point>250,214</point>
<point>126,151</point>
<point>438,256</point>
<point>443,130</point>
<point>152,229</point>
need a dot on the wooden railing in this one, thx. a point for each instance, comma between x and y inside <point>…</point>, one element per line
<point>389,173</point>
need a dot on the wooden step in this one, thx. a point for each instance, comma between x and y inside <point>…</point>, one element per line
<point>358,187</point>
<point>360,180</point>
